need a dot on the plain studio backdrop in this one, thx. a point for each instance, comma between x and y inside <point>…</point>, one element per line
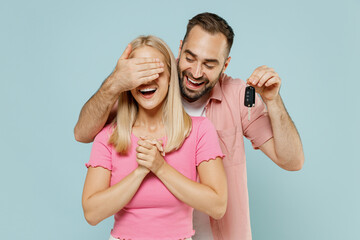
<point>55,54</point>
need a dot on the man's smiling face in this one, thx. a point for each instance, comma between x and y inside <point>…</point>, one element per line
<point>202,59</point>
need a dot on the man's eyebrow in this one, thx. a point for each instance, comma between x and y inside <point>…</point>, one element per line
<point>195,56</point>
<point>190,52</point>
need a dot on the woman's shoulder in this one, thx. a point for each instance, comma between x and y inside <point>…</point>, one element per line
<point>201,122</point>
<point>197,119</point>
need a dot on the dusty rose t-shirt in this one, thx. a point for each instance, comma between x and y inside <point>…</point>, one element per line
<point>154,212</point>
<point>230,117</point>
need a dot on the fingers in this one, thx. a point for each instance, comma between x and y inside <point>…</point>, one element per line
<point>143,151</point>
<point>149,73</point>
<point>149,143</point>
<point>127,52</point>
<point>142,156</point>
<point>147,67</point>
<point>140,61</point>
<point>159,147</point>
<point>145,138</point>
<point>273,81</point>
<point>265,77</point>
<point>261,76</point>
<point>145,80</point>
<point>143,163</point>
<point>147,154</point>
<point>144,144</point>
<point>155,142</point>
<point>150,66</point>
<point>257,74</point>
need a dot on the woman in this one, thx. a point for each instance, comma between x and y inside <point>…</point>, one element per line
<point>152,195</point>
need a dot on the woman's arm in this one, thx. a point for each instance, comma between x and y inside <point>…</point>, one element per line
<point>101,201</point>
<point>208,196</point>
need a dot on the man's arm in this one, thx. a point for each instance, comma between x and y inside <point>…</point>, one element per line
<point>285,148</point>
<point>95,113</point>
<point>128,74</point>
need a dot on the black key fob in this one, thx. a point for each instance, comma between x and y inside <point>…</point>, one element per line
<point>249,100</point>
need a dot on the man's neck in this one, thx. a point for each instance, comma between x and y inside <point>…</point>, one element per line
<point>196,108</point>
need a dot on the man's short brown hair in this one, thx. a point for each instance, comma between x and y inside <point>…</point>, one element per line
<point>212,24</point>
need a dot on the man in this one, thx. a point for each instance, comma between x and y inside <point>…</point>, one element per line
<point>208,91</point>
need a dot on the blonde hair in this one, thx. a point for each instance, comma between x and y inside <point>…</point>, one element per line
<point>176,121</point>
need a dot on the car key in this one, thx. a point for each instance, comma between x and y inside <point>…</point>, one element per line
<point>249,99</point>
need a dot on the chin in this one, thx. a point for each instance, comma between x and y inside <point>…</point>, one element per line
<point>149,106</point>
<point>192,95</point>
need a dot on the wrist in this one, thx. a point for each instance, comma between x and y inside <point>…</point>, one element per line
<point>109,90</point>
<point>161,169</point>
<point>276,101</point>
<point>112,84</point>
<point>141,171</point>
<point>275,107</point>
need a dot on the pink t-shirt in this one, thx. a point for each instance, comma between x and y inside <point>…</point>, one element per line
<point>154,212</point>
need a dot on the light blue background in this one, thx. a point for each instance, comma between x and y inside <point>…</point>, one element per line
<point>55,54</point>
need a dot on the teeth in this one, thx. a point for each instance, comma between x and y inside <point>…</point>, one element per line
<point>192,81</point>
<point>148,90</point>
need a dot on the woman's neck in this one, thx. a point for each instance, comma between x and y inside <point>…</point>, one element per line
<point>149,123</point>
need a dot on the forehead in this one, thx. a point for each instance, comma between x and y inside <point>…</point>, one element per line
<point>206,45</point>
<point>147,52</point>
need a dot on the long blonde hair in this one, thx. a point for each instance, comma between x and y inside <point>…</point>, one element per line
<point>176,121</point>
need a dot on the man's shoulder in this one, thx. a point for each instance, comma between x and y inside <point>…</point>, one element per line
<point>230,87</point>
<point>228,80</point>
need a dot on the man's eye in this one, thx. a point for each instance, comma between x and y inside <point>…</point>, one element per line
<point>189,60</point>
<point>209,66</point>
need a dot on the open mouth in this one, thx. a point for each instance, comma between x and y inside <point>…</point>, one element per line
<point>147,92</point>
<point>193,84</point>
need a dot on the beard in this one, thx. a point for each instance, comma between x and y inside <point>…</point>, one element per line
<point>192,95</point>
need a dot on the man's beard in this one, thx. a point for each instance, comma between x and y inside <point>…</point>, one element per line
<point>193,95</point>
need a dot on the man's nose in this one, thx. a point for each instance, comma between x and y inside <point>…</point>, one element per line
<point>198,71</point>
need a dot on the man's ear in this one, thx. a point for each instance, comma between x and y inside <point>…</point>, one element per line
<point>181,42</point>
<point>226,64</point>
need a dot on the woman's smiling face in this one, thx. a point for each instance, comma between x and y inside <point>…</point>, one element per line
<point>151,95</point>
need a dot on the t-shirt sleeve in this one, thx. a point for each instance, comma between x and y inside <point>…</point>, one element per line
<point>101,151</point>
<point>258,130</point>
<point>208,146</point>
